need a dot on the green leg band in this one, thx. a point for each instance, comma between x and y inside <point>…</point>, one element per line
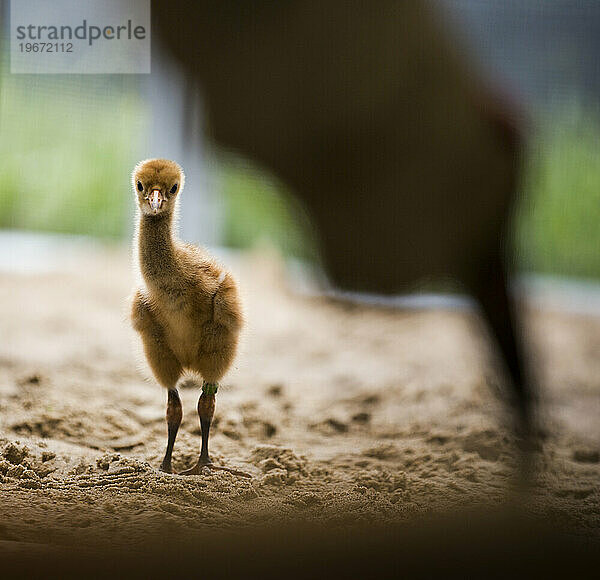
<point>210,388</point>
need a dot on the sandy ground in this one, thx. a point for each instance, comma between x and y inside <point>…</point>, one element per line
<point>342,414</point>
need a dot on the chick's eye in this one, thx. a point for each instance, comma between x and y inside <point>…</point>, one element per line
<point>174,189</point>
<point>140,186</point>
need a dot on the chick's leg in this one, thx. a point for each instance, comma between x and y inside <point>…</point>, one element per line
<point>206,409</point>
<point>165,367</point>
<point>174,415</point>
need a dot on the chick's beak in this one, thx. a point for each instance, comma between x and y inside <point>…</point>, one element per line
<point>155,199</point>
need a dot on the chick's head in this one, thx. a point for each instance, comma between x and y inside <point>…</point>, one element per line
<point>156,184</point>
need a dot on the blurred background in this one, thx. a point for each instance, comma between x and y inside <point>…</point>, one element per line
<point>69,143</point>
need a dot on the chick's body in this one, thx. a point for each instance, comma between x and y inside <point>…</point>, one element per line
<point>188,310</point>
<point>197,308</point>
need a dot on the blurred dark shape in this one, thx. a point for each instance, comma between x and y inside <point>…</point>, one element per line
<point>406,162</point>
<point>473,545</point>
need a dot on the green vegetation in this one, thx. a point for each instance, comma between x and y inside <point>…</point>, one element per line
<point>558,222</point>
<point>66,155</point>
<point>259,209</point>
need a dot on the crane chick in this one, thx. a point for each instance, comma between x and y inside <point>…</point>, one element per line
<point>187,311</point>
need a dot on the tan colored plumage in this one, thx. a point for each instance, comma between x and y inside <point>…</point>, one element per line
<point>187,310</point>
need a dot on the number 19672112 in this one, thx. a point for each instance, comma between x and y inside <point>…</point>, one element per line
<point>46,46</point>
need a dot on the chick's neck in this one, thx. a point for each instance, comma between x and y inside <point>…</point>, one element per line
<point>156,246</point>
